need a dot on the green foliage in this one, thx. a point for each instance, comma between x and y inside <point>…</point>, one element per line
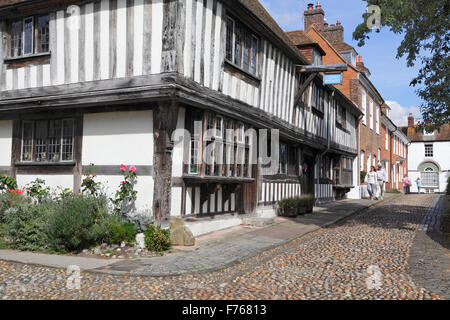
<point>393,191</point>
<point>125,231</point>
<point>425,27</point>
<point>25,227</point>
<point>7,183</point>
<point>126,195</point>
<point>362,175</point>
<point>75,223</point>
<point>157,239</point>
<point>37,190</point>
<point>10,200</point>
<point>288,205</point>
<point>89,185</point>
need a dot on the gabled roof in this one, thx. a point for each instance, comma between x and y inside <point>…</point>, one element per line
<point>417,135</point>
<point>302,39</point>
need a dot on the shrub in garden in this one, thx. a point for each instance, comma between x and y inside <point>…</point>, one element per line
<point>7,183</point>
<point>118,232</point>
<point>25,227</point>
<point>37,190</point>
<point>157,239</point>
<point>124,201</point>
<point>74,225</point>
<point>10,200</point>
<point>89,185</point>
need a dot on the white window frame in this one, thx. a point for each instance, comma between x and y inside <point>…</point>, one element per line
<point>364,107</point>
<point>371,113</point>
<point>377,119</point>
<point>32,36</point>
<point>362,160</point>
<point>387,139</point>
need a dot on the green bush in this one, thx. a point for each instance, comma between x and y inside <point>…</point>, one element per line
<point>10,200</point>
<point>76,222</point>
<point>7,183</point>
<point>306,201</point>
<point>393,191</point>
<point>125,231</point>
<point>286,205</point>
<point>157,239</point>
<point>25,227</point>
<point>36,189</point>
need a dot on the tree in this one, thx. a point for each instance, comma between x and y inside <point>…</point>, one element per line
<point>425,26</point>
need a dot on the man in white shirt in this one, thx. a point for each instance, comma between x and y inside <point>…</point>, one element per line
<point>381,179</point>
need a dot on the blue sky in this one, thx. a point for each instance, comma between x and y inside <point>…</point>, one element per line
<point>390,75</point>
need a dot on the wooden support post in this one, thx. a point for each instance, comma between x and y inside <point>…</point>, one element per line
<point>164,123</point>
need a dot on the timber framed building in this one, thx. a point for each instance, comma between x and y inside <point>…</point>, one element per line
<point>108,82</point>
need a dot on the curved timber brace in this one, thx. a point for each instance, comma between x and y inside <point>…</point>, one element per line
<point>313,71</point>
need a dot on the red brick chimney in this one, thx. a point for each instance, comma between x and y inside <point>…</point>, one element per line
<point>410,121</point>
<point>314,16</point>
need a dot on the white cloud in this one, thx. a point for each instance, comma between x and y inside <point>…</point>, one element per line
<point>399,114</point>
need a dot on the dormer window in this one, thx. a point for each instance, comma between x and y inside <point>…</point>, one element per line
<point>428,133</point>
<point>317,58</point>
<point>29,36</point>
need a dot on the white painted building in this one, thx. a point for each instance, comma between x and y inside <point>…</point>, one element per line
<point>428,157</point>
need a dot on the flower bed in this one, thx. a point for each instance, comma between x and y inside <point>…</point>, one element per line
<point>34,218</point>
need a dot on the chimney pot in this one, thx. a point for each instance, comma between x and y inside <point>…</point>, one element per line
<point>310,6</point>
<point>338,23</point>
<point>318,5</point>
<point>360,59</point>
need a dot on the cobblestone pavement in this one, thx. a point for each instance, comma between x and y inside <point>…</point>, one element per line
<point>363,257</point>
<point>429,261</point>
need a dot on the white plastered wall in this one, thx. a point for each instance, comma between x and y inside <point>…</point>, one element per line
<point>115,138</point>
<point>5,142</point>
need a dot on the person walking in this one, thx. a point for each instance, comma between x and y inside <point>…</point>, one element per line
<point>406,184</point>
<point>381,180</point>
<point>419,184</point>
<point>371,179</point>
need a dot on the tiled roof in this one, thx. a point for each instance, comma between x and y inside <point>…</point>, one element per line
<point>299,37</point>
<point>342,46</point>
<point>417,136</point>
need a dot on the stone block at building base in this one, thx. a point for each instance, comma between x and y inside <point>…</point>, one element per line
<point>257,222</point>
<point>180,235</point>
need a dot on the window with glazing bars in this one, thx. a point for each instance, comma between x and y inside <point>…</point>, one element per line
<point>241,46</point>
<point>429,150</point>
<point>29,35</point>
<point>47,140</point>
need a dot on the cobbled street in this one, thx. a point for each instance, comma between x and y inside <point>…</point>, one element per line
<point>363,257</point>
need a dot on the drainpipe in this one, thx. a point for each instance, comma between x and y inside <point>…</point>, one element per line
<point>358,148</point>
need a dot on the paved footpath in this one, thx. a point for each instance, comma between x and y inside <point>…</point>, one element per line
<point>364,256</point>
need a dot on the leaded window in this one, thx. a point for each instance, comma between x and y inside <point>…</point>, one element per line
<point>29,35</point>
<point>47,140</point>
<point>429,150</point>
<point>241,46</point>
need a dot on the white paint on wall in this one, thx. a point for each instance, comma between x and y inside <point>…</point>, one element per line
<point>33,76</point>
<point>157,23</point>
<point>53,181</point>
<point>46,80</point>
<point>198,39</point>
<point>20,78</point>
<point>104,39</point>
<point>176,198</point>
<point>113,138</point>
<point>5,142</point>
<point>217,47</point>
<point>60,49</point>
<point>121,57</point>
<point>89,42</point>
<point>178,149</point>
<point>138,15</point>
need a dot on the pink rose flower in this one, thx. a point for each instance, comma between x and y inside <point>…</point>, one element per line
<point>133,169</point>
<point>123,182</point>
<point>123,167</point>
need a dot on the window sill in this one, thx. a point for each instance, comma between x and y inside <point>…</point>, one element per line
<point>28,57</point>
<point>242,71</point>
<point>317,112</point>
<point>41,164</point>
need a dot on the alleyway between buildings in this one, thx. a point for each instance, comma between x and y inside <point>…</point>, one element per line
<point>376,253</point>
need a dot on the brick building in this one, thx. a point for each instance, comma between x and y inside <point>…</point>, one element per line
<point>322,43</point>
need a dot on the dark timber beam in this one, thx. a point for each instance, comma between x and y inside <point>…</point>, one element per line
<point>165,117</point>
